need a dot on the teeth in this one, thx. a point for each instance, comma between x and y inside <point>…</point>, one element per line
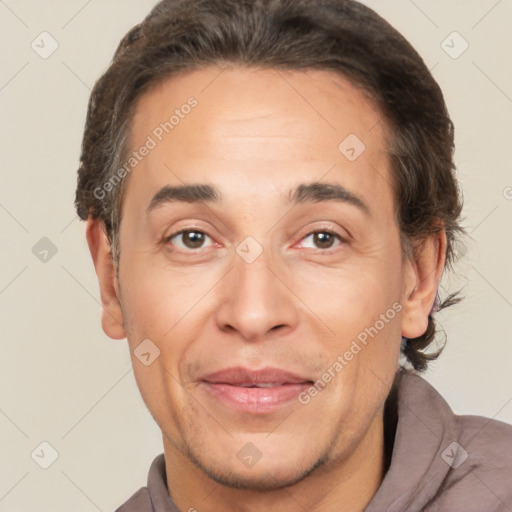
<point>262,385</point>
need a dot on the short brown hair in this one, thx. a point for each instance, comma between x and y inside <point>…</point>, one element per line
<point>342,36</point>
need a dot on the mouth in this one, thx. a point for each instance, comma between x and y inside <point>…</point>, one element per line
<point>254,391</point>
<point>263,385</point>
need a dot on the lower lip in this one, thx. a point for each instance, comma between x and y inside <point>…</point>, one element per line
<point>255,400</point>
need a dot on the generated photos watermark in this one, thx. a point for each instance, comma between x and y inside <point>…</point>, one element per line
<point>151,142</point>
<point>356,346</point>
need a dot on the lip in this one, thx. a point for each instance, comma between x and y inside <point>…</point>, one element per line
<point>238,375</point>
<point>229,386</point>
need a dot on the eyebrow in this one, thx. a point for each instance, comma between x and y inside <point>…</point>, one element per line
<point>185,193</point>
<point>305,192</point>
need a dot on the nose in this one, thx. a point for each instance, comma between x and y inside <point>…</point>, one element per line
<point>257,300</point>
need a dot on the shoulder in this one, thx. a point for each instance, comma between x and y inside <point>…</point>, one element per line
<point>138,502</point>
<point>486,441</point>
<point>443,461</point>
<point>485,434</point>
<point>476,453</point>
<point>487,445</point>
<point>483,442</point>
<point>154,497</point>
<point>480,472</point>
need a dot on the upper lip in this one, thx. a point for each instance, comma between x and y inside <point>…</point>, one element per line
<point>240,376</point>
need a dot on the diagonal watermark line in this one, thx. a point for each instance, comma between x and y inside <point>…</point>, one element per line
<point>301,300</point>
<point>482,482</point>
<point>90,294</point>
<point>492,286</point>
<point>203,203</point>
<point>288,492</point>
<point>424,13</point>
<point>213,79</point>
<point>69,224</point>
<point>13,279</point>
<point>14,76</point>
<point>431,69</point>
<point>198,301</point>
<point>375,125</point>
<point>409,491</point>
<point>424,424</point>
<point>378,378</point>
<point>210,493</point>
<point>305,100</point>
<point>14,423</point>
<point>489,420</point>
<point>13,13</point>
<point>425,74</point>
<point>280,219</point>
<point>199,403</point>
<point>14,486</point>
<point>14,218</point>
<point>486,14</point>
<point>80,284</point>
<point>76,14</point>
<point>383,177</point>
<point>483,220</point>
<point>86,495</point>
<point>75,75</point>
<point>279,424</point>
<point>492,81</point>
<point>98,401</point>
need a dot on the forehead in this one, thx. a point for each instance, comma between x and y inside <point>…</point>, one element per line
<point>260,127</point>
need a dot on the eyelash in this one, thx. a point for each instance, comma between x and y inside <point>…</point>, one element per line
<point>328,231</point>
<point>342,239</point>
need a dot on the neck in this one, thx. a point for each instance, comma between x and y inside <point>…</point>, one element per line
<point>341,485</point>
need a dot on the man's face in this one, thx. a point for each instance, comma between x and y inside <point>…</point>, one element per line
<point>258,282</point>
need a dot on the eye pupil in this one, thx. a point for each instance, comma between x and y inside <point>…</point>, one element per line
<point>197,239</point>
<point>321,237</point>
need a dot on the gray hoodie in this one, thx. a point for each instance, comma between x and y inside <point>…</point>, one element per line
<point>438,461</point>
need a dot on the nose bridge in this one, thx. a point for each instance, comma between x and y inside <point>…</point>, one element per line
<point>255,300</point>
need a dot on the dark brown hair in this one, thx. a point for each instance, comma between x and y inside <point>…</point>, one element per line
<point>342,36</point>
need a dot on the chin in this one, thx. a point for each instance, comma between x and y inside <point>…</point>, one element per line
<point>265,480</point>
<point>262,476</point>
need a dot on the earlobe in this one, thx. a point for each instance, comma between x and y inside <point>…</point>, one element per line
<point>111,312</point>
<point>423,274</point>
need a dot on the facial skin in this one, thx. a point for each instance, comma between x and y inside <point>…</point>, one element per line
<point>255,135</point>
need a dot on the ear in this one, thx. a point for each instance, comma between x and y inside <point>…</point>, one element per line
<point>423,272</point>
<point>111,313</point>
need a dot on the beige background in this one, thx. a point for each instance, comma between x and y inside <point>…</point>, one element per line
<point>63,380</point>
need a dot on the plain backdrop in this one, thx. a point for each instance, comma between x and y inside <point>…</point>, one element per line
<point>63,381</point>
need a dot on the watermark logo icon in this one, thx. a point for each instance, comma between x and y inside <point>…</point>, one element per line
<point>454,455</point>
<point>352,147</point>
<point>249,455</point>
<point>249,249</point>
<point>44,455</point>
<point>455,45</point>
<point>44,250</point>
<point>44,45</point>
<point>146,352</point>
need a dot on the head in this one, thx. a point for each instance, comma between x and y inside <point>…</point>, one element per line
<point>315,173</point>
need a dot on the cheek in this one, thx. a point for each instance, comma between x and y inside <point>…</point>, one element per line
<point>359,307</point>
<point>351,298</point>
<point>169,309</point>
<point>155,299</point>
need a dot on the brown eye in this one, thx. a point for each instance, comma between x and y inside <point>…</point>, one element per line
<point>190,239</point>
<point>324,239</point>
